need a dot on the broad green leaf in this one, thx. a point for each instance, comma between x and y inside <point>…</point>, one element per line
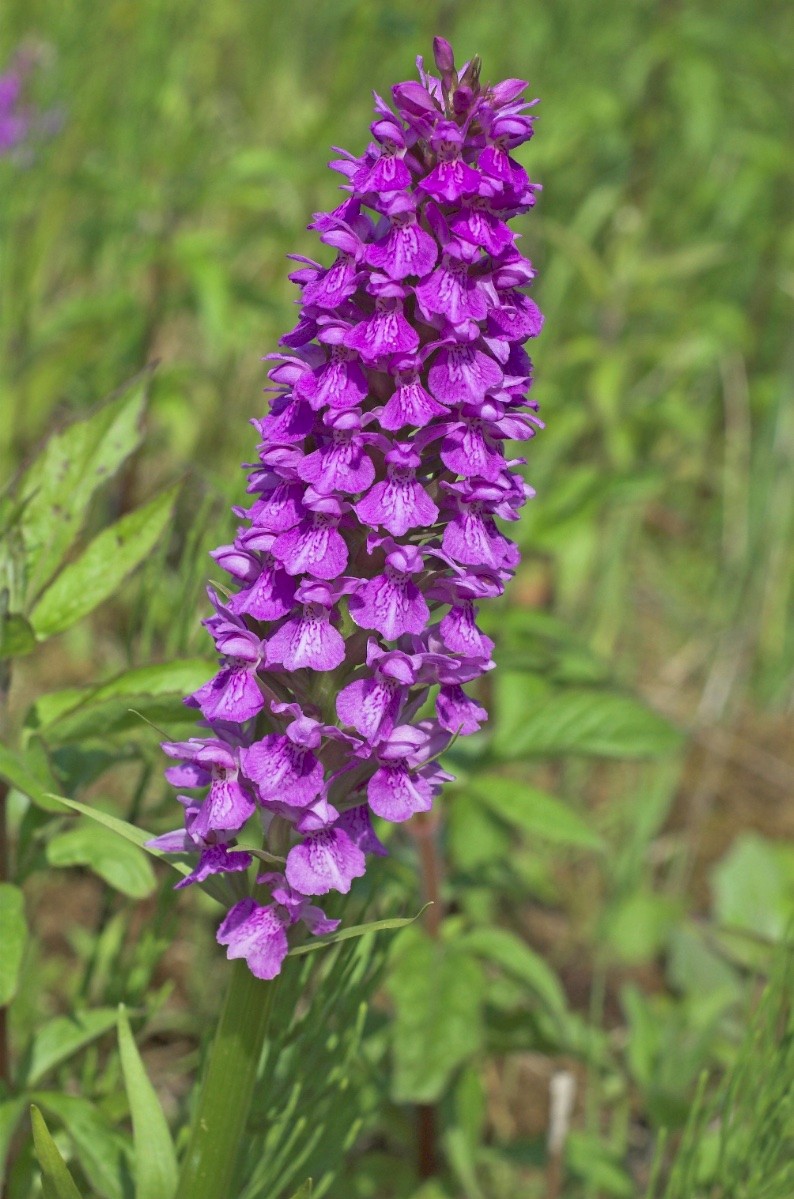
<point>25,773</point>
<point>751,890</point>
<point>121,864</point>
<point>503,948</point>
<point>601,723</point>
<point>437,989</point>
<point>13,938</point>
<point>59,484</point>
<point>534,812</point>
<point>57,1182</point>
<point>104,1154</point>
<point>60,1038</point>
<point>16,636</point>
<point>354,930</point>
<point>130,832</point>
<point>155,1159</point>
<point>10,1113</point>
<point>153,691</point>
<point>102,566</point>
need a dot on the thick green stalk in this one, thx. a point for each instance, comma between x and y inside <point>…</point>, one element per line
<point>220,1120</point>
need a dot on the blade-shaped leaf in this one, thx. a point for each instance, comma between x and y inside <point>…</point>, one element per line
<point>105,562</point>
<point>104,1154</point>
<point>25,773</point>
<point>13,938</point>
<point>60,1038</point>
<point>130,832</point>
<point>577,721</point>
<point>10,1112</point>
<point>120,863</point>
<point>155,1159</point>
<point>59,484</point>
<point>153,691</point>
<point>536,813</point>
<point>355,930</point>
<point>57,1182</point>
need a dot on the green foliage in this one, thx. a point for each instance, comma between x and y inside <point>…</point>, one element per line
<point>101,568</point>
<point>437,990</point>
<point>57,1182</point>
<point>601,899</point>
<point>739,1144</point>
<point>155,1159</point>
<point>15,934</point>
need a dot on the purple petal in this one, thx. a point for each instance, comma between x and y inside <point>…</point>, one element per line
<point>256,934</point>
<point>325,861</point>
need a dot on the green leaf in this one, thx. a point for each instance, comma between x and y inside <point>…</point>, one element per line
<point>121,864</point>
<point>25,773</point>
<point>576,721</point>
<point>59,484</point>
<point>155,1160</point>
<point>99,570</point>
<point>103,1154</point>
<point>16,636</point>
<point>503,948</point>
<point>534,812</point>
<point>305,1191</point>
<point>130,832</point>
<point>13,938</point>
<point>751,890</point>
<point>155,692</point>
<point>57,1182</point>
<point>437,990</point>
<point>10,1112</point>
<point>60,1038</point>
<point>354,930</point>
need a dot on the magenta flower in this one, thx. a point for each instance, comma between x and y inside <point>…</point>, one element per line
<point>375,527</point>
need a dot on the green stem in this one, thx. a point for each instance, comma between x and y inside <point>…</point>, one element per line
<point>221,1117</point>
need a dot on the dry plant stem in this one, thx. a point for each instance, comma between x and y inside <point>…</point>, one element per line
<point>221,1117</point>
<point>425,831</point>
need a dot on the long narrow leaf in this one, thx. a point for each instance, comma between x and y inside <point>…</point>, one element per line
<point>355,930</point>
<point>57,1182</point>
<point>155,1158</point>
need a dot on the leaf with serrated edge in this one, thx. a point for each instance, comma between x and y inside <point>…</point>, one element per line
<point>15,935</point>
<point>105,562</point>
<point>57,1182</point>
<point>155,1160</point>
<point>355,930</point>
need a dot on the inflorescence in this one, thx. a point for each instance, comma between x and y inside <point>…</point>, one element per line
<point>350,632</point>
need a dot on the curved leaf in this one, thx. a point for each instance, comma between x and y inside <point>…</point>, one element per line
<point>155,1160</point>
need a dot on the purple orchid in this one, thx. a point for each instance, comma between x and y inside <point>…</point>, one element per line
<point>373,532</point>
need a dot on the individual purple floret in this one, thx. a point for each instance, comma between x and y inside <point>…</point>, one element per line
<point>348,634</point>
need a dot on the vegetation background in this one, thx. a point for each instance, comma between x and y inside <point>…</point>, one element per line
<point>618,854</point>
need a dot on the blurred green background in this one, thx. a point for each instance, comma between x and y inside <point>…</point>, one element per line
<point>658,554</point>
